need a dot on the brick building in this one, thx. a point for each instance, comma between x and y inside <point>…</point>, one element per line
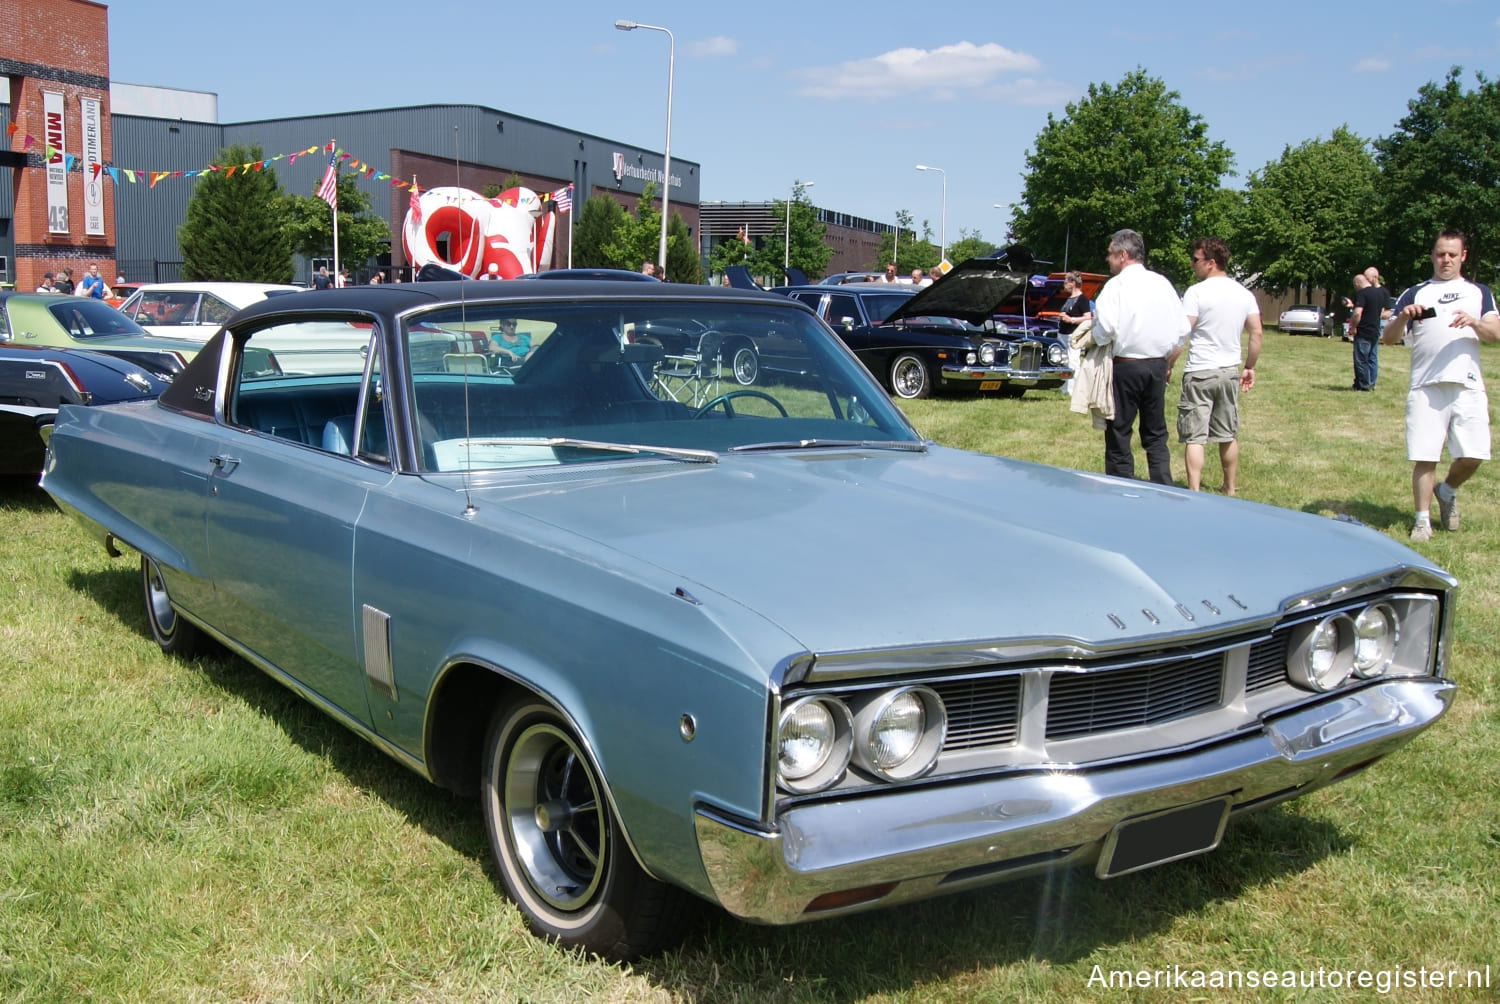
<point>55,56</point>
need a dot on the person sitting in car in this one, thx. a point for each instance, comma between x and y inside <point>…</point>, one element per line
<point>507,345</point>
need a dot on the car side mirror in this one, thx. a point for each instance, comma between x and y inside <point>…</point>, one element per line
<point>847,323</point>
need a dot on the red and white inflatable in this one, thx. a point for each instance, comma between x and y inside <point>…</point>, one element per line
<point>464,231</point>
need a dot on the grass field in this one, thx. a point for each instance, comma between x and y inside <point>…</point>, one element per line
<point>175,831</point>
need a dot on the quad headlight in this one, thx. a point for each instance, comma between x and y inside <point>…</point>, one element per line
<point>1375,637</point>
<point>1391,637</point>
<point>1056,354</point>
<point>894,735</point>
<point>899,733</point>
<point>813,739</point>
<point>987,354</point>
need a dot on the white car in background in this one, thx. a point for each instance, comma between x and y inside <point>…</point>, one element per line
<point>1303,318</point>
<point>194,311</point>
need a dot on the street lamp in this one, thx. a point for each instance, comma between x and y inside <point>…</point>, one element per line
<point>666,166</point>
<point>943,254</point>
<point>786,257</point>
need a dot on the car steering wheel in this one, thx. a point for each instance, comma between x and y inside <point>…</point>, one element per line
<point>729,396</point>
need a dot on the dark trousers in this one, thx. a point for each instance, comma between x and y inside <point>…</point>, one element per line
<point>1140,389</point>
<point>1366,362</point>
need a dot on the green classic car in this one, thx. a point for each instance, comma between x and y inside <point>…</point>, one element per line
<point>80,322</point>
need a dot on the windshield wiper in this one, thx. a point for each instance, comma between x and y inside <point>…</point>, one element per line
<point>563,442</point>
<point>817,444</point>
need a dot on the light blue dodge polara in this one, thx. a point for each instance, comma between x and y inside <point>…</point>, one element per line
<point>689,638</point>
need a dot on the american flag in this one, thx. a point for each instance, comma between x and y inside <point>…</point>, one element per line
<point>328,187</point>
<point>564,199</point>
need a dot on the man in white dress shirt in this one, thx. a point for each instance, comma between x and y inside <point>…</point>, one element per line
<point>1140,316</point>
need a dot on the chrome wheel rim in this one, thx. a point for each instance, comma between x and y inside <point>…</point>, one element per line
<point>746,366</point>
<point>158,602</point>
<point>909,378</point>
<point>555,816</point>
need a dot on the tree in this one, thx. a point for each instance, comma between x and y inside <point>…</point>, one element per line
<point>1125,156</point>
<point>803,244</point>
<point>911,251</point>
<point>1306,217</point>
<point>232,230</point>
<point>597,222</point>
<point>1439,169</point>
<point>970,244</point>
<point>637,238</point>
<point>684,263</point>
<point>309,225</point>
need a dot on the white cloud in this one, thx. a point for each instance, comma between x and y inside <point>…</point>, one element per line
<point>1372,64</point>
<point>933,73</point>
<point>708,48</point>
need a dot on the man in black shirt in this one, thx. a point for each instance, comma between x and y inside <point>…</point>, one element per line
<point>1371,302</point>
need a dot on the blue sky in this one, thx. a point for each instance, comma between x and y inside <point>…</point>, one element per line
<point>848,96</point>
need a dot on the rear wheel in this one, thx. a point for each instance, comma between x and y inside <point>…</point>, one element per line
<point>910,379</point>
<point>558,848</point>
<point>175,635</point>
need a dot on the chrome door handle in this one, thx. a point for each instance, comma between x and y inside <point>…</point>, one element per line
<point>223,463</point>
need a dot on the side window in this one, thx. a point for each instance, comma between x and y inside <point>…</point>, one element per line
<point>165,309</point>
<point>810,299</point>
<point>300,381</point>
<point>213,310</point>
<point>840,307</point>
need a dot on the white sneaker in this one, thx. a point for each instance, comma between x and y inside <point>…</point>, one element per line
<point>1447,500</point>
<point>1421,533</point>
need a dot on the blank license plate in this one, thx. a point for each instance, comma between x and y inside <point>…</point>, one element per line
<point>1147,841</point>
<point>989,385</point>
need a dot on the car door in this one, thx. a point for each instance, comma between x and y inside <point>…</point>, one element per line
<point>285,492</point>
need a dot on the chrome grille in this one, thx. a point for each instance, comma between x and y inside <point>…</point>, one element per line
<point>1267,662</point>
<point>1027,356</point>
<point>1085,703</point>
<point>981,712</point>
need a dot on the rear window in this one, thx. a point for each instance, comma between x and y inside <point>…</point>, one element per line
<point>85,317</point>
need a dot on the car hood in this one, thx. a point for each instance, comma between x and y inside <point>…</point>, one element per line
<point>857,550</point>
<point>973,291</point>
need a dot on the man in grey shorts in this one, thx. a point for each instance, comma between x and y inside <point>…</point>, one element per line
<point>1219,310</point>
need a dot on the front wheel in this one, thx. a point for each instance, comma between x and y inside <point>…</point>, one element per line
<point>558,848</point>
<point>910,379</point>
<point>745,365</point>
<point>174,635</point>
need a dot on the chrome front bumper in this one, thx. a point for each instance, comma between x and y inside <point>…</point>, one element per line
<point>942,838</point>
<point>965,375</point>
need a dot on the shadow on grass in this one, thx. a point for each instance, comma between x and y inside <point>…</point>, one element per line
<point>20,493</point>
<point>1372,514</point>
<point>446,816</point>
<point>1058,918</point>
<point>1055,919</point>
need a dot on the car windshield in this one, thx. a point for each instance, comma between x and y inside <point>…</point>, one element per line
<point>512,384</point>
<point>84,317</point>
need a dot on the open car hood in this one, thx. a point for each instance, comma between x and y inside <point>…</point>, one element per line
<point>973,291</point>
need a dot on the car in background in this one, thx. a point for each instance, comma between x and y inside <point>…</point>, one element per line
<point>1302,319</point>
<point>120,292</point>
<point>660,645</point>
<point>191,312</point>
<point>947,336</point>
<point>35,381</point>
<point>617,274</point>
<point>80,322</point>
<point>194,310</point>
<point>850,278</point>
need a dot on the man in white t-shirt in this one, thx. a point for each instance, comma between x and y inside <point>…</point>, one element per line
<point>1443,320</point>
<point>1219,310</point>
